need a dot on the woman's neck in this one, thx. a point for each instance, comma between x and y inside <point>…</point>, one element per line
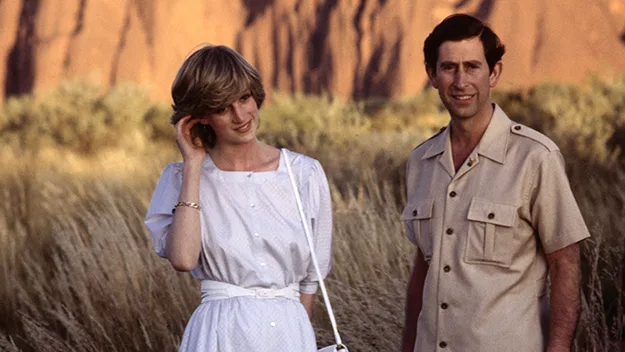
<point>253,156</point>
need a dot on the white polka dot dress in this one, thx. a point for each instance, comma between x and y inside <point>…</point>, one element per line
<point>252,237</point>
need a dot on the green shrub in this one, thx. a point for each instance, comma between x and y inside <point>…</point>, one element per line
<point>586,122</point>
<point>77,116</point>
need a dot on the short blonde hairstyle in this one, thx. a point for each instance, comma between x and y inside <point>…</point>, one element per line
<point>210,80</point>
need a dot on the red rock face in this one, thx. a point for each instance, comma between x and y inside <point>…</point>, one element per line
<point>348,48</point>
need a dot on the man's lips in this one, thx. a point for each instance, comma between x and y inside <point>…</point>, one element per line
<point>462,97</point>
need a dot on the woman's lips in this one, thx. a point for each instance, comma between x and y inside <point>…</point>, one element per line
<point>245,127</point>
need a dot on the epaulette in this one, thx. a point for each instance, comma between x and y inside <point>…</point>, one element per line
<point>534,135</point>
<point>432,136</point>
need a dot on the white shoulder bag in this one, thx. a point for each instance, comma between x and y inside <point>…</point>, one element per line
<point>339,344</point>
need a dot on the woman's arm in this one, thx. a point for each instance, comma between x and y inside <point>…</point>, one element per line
<point>184,240</point>
<point>308,300</point>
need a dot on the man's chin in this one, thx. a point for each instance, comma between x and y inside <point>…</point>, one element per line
<point>462,113</point>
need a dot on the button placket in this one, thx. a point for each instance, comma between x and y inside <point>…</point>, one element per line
<point>449,241</point>
<point>252,201</point>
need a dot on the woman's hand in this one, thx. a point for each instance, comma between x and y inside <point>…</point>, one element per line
<point>191,149</point>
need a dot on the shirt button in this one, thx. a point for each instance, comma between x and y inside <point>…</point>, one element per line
<point>491,215</point>
<point>273,323</point>
<point>249,175</point>
<point>263,264</point>
<point>252,205</point>
<point>443,344</point>
<point>256,234</point>
<point>444,306</point>
<point>414,213</point>
<point>452,194</point>
<point>449,231</point>
<point>446,268</point>
<point>517,127</point>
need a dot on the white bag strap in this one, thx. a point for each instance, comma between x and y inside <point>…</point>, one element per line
<point>326,299</point>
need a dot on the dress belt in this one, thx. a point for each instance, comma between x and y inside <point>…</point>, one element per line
<point>214,290</point>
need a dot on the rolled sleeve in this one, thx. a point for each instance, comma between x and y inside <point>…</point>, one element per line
<point>160,216</point>
<point>554,211</point>
<point>309,287</point>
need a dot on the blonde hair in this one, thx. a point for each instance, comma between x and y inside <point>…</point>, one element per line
<point>210,80</point>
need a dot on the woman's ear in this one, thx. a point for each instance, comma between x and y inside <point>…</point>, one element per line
<point>205,120</point>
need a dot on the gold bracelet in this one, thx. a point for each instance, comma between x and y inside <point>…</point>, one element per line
<point>189,204</point>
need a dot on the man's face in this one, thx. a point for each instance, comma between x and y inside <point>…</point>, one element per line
<point>463,78</point>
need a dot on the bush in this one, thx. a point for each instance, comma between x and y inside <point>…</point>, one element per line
<point>76,116</point>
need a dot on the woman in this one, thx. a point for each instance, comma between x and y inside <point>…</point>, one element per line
<point>228,214</point>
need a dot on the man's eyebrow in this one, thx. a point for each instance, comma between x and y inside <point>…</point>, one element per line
<point>470,62</point>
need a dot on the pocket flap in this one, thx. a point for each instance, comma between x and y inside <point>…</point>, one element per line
<point>418,210</point>
<point>491,212</point>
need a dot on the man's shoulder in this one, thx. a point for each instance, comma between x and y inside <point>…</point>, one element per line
<point>530,135</point>
<point>423,145</point>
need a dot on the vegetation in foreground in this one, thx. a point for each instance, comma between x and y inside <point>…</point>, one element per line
<point>78,168</point>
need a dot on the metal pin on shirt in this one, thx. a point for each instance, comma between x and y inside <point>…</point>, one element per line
<point>472,161</point>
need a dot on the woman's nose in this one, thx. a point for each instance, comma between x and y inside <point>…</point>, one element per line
<point>237,112</point>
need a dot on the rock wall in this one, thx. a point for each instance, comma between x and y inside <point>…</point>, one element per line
<point>348,48</point>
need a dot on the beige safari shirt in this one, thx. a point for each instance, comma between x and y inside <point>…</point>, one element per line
<point>484,231</point>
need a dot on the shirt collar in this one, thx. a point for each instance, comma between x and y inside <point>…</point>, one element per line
<point>438,144</point>
<point>493,144</point>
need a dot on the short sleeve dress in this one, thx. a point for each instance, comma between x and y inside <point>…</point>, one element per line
<point>252,236</point>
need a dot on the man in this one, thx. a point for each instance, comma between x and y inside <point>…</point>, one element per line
<point>492,213</point>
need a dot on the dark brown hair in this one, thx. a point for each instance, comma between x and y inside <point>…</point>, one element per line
<point>459,27</point>
<point>210,80</point>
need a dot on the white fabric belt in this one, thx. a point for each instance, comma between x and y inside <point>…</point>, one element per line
<point>214,290</point>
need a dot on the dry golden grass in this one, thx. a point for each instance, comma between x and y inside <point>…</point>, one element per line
<point>79,274</point>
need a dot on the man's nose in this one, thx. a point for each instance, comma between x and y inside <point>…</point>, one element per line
<point>460,78</point>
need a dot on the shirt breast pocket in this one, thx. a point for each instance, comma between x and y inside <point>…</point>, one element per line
<point>490,237</point>
<point>418,218</point>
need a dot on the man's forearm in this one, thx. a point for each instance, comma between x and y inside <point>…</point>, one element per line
<point>565,273</point>
<point>414,303</point>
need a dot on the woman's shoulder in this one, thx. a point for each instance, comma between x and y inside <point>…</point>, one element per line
<point>173,167</point>
<point>302,161</point>
<point>307,168</point>
<point>172,171</point>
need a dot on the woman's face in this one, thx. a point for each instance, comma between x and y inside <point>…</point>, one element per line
<point>237,123</point>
